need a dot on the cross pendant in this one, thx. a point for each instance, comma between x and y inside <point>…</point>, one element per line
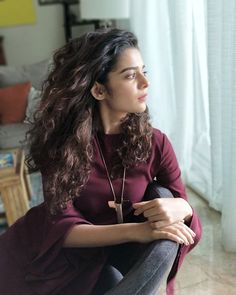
<point>119,211</point>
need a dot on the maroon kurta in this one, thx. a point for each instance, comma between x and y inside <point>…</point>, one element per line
<point>32,258</point>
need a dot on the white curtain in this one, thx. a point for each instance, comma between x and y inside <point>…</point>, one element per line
<point>222,97</point>
<point>172,37</point>
<point>176,39</point>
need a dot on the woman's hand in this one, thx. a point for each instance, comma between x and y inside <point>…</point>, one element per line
<point>164,211</point>
<point>178,232</point>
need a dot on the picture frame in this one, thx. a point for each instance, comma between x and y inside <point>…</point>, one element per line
<point>8,162</point>
<point>7,159</point>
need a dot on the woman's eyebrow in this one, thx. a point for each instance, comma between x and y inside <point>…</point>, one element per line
<point>130,68</point>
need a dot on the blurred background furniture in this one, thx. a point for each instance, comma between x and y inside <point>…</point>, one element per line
<point>15,188</point>
<point>20,91</point>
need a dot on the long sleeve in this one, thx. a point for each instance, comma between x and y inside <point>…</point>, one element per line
<point>49,262</point>
<point>36,261</point>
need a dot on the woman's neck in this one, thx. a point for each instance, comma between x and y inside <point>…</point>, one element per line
<point>111,128</point>
<point>111,122</point>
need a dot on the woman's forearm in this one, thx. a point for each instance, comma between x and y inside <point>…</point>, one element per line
<point>84,235</point>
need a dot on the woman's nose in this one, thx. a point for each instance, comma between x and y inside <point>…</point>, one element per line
<point>144,83</point>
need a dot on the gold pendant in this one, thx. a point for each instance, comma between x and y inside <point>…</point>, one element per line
<point>119,211</point>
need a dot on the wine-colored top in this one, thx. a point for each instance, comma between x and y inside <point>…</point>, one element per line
<point>35,241</point>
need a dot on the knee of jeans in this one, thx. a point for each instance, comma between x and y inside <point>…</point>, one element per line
<point>107,280</point>
<point>112,274</point>
<point>154,190</point>
<point>165,251</point>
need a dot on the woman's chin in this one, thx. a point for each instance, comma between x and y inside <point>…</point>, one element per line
<point>142,108</point>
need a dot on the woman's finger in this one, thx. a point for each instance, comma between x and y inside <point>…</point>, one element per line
<point>186,231</point>
<point>161,217</point>
<point>179,232</point>
<point>163,223</point>
<point>190,230</point>
<point>144,206</point>
<point>186,228</point>
<point>179,229</point>
<point>155,213</point>
<point>162,235</point>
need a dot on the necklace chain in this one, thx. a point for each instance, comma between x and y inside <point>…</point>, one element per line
<point>118,205</point>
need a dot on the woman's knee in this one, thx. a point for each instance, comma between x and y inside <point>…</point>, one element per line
<point>108,279</point>
<point>154,190</point>
<point>162,253</point>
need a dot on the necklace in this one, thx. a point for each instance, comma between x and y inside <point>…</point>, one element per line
<point>114,204</point>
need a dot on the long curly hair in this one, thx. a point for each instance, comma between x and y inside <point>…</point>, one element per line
<point>67,119</point>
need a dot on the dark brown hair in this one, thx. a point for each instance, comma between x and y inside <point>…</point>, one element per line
<point>60,140</point>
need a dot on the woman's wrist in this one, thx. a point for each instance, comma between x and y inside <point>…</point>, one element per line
<point>132,232</point>
<point>189,211</point>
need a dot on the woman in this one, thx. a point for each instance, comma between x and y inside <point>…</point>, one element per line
<point>96,233</point>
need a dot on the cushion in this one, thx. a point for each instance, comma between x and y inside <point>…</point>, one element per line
<point>34,98</point>
<point>13,102</point>
<point>10,75</point>
<point>36,73</point>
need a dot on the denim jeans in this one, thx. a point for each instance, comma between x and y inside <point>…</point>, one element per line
<point>136,269</point>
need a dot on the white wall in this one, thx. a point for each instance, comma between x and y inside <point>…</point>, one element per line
<point>27,44</point>
<point>32,43</point>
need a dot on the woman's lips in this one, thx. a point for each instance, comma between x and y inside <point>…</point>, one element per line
<point>142,98</point>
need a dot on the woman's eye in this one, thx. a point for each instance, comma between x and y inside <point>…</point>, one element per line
<point>131,76</point>
<point>134,75</point>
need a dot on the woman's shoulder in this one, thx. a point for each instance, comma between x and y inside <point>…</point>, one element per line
<point>157,133</point>
<point>159,137</point>
<point>161,142</point>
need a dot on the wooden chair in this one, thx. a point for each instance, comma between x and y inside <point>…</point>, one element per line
<point>15,189</point>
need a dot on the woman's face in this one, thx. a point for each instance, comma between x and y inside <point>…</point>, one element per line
<point>126,90</point>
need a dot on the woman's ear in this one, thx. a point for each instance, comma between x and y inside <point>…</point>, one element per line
<point>98,91</point>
